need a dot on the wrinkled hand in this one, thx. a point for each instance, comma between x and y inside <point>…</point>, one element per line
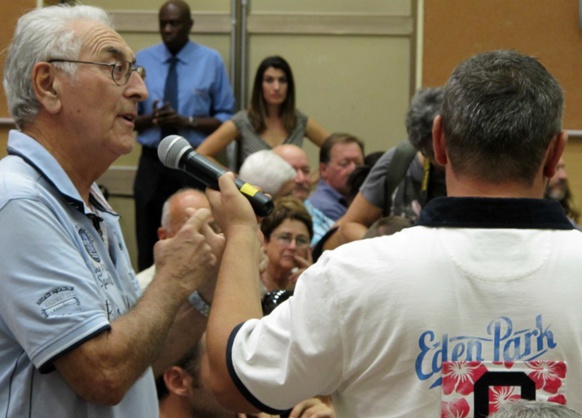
<point>312,408</point>
<point>190,258</point>
<point>230,208</point>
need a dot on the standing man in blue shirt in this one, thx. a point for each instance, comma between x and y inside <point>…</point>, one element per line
<point>204,100</point>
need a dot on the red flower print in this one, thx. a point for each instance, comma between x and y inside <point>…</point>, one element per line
<point>547,375</point>
<point>457,408</point>
<point>461,376</point>
<point>499,395</point>
<point>561,399</point>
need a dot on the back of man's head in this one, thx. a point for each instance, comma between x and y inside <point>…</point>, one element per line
<point>424,106</point>
<point>499,113</point>
<point>534,409</point>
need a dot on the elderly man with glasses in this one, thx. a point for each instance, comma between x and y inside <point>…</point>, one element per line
<point>76,337</point>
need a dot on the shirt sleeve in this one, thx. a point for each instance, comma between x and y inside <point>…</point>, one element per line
<point>45,280</point>
<point>295,352</point>
<point>374,187</point>
<point>223,97</point>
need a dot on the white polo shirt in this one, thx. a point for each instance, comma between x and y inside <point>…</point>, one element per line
<point>372,321</point>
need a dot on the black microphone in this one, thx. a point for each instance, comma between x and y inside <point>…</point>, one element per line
<point>175,152</point>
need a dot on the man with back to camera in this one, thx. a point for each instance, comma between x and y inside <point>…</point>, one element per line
<point>490,274</point>
<point>202,100</point>
<point>339,155</point>
<point>76,338</point>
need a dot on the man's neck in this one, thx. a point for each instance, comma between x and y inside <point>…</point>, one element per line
<point>465,186</point>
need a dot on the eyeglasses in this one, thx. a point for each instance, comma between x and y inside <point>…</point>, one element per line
<point>301,241</point>
<point>121,70</point>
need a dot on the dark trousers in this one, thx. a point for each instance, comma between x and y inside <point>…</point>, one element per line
<point>154,183</point>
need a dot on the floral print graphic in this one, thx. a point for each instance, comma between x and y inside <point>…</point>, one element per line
<point>459,378</point>
<point>547,375</point>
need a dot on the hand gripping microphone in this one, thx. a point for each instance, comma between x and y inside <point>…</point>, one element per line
<point>175,152</point>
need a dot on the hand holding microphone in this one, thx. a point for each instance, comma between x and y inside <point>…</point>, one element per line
<point>175,152</point>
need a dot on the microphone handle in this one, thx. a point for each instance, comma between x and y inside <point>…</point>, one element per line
<point>208,173</point>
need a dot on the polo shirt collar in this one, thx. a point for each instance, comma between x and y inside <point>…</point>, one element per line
<point>37,156</point>
<point>477,212</point>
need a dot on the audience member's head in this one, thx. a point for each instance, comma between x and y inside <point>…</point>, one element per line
<point>519,107</point>
<point>339,155</point>
<point>269,172</point>
<point>273,69</point>
<point>558,189</point>
<point>424,106</point>
<point>287,233</point>
<point>174,211</point>
<point>297,157</point>
<point>175,24</point>
<point>182,389</point>
<point>59,38</point>
<point>534,409</point>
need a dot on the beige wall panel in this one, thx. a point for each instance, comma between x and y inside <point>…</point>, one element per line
<point>355,84</point>
<point>333,6</point>
<point>200,5</point>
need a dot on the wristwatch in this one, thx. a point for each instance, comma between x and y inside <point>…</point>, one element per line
<point>199,304</point>
<point>193,122</point>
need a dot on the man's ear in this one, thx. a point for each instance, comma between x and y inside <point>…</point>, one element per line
<point>162,234</point>
<point>177,380</point>
<point>438,141</point>
<point>322,170</point>
<point>554,153</point>
<point>46,86</point>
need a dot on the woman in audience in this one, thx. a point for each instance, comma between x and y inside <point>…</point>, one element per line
<point>271,118</point>
<point>287,233</point>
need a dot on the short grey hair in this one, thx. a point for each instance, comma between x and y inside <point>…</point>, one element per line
<point>534,409</point>
<point>40,35</point>
<point>424,107</point>
<point>266,170</point>
<point>500,111</point>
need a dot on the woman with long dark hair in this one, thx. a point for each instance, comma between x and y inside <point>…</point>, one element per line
<point>271,118</point>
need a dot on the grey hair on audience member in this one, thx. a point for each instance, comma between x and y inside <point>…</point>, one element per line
<point>534,409</point>
<point>266,170</point>
<point>40,35</point>
<point>424,106</point>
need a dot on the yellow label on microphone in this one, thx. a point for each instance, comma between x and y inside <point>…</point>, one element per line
<point>248,189</point>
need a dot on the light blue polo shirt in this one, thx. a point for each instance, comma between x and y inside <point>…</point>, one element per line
<point>65,274</point>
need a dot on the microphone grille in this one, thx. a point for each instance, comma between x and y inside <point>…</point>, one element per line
<point>171,149</point>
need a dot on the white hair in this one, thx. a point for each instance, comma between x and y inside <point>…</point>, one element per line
<point>534,409</point>
<point>266,170</point>
<point>40,35</point>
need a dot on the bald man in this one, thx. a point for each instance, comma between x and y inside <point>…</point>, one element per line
<point>174,215</point>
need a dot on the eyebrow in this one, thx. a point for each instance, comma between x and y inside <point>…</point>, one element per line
<point>118,54</point>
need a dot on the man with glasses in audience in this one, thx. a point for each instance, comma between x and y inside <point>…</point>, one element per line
<point>339,155</point>
<point>76,337</point>
<point>190,96</point>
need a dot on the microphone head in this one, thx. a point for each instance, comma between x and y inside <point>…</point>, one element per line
<point>171,149</point>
